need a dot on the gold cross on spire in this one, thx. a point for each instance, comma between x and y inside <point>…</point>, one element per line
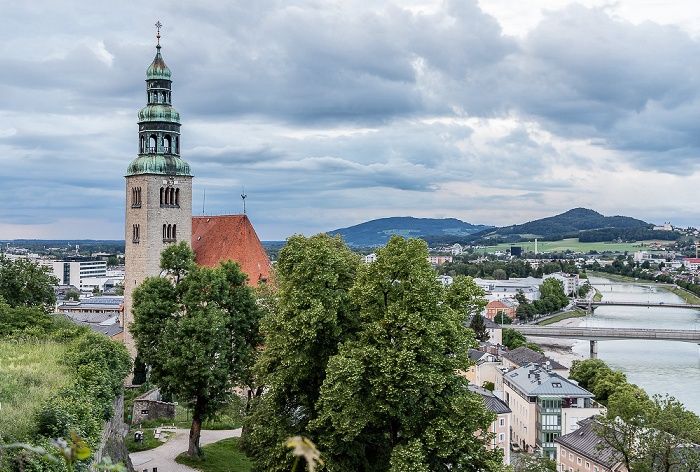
<point>158,27</point>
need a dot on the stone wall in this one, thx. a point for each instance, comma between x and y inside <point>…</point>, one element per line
<point>150,407</point>
<point>113,433</point>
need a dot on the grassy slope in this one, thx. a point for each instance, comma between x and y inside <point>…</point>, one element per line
<point>574,245</point>
<point>30,373</point>
<point>222,456</point>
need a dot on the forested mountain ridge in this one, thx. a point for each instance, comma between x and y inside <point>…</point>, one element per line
<point>572,221</point>
<point>378,232</point>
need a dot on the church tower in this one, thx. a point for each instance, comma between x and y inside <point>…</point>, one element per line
<point>158,187</point>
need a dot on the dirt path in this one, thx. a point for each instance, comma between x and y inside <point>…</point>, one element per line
<point>163,457</point>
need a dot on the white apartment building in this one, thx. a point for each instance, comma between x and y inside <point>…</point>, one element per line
<point>76,272</point>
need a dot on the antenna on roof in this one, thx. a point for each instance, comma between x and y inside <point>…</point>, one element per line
<point>243,195</point>
<point>204,200</point>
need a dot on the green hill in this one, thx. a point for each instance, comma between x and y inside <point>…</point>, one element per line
<point>572,221</point>
<point>378,232</point>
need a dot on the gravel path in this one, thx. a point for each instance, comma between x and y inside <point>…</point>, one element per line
<point>163,457</point>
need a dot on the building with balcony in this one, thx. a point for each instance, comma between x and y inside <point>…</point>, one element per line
<point>545,406</point>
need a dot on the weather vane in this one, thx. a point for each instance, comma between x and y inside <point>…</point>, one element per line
<point>158,27</point>
<point>243,195</point>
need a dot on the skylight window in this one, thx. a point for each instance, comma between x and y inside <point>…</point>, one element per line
<point>556,384</point>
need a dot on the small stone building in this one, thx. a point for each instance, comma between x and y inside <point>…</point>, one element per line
<point>150,407</point>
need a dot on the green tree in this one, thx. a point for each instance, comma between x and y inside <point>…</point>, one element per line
<point>502,319</point>
<point>112,261</point>
<point>533,463</point>
<point>72,295</point>
<point>512,338</point>
<point>16,319</point>
<point>585,371</point>
<point>308,316</point>
<point>391,399</point>
<point>25,283</point>
<point>479,327</point>
<point>199,336</point>
<point>500,274</point>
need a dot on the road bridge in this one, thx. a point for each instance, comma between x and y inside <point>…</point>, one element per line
<point>603,334</point>
<point>588,304</point>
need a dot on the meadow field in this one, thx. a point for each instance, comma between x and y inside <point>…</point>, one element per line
<point>573,245</point>
<point>29,373</point>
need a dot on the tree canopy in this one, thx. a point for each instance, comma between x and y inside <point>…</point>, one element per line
<point>389,396</point>
<point>198,335</point>
<point>25,283</point>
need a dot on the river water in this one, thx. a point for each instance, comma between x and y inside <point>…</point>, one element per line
<point>656,366</point>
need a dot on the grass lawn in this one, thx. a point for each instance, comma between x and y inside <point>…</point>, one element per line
<point>572,244</point>
<point>598,296</point>
<point>687,296</point>
<point>30,372</point>
<point>149,442</point>
<point>563,316</point>
<point>222,456</point>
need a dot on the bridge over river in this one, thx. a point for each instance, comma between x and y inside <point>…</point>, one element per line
<point>602,334</point>
<point>588,304</point>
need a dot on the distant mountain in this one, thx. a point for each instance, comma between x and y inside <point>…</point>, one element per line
<point>572,221</point>
<point>378,232</point>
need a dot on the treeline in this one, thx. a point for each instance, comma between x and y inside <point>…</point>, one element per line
<point>629,268</point>
<point>501,270</point>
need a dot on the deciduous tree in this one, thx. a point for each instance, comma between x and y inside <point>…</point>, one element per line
<point>391,400</point>
<point>25,283</point>
<point>199,335</point>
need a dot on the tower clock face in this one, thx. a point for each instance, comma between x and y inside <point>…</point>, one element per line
<point>170,277</point>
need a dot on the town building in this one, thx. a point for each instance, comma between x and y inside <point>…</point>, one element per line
<point>159,201</point>
<point>439,260</point>
<point>523,355</point>
<point>500,428</point>
<point>77,272</point>
<point>545,406</point>
<point>498,289</point>
<point>582,450</point>
<point>505,305</point>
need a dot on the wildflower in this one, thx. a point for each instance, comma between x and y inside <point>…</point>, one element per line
<point>303,447</point>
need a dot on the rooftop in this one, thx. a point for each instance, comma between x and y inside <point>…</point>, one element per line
<point>534,380</point>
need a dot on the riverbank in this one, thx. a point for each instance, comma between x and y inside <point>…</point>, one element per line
<point>560,350</point>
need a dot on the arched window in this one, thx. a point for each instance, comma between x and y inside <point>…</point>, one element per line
<point>177,197</point>
<point>162,195</point>
<point>142,144</point>
<point>174,233</point>
<point>165,228</point>
<point>136,231</point>
<point>166,143</point>
<point>165,100</point>
<point>177,145</point>
<point>152,144</point>
<point>172,196</point>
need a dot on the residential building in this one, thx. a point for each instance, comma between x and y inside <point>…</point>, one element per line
<point>501,425</point>
<point>439,260</point>
<point>76,272</point>
<point>691,263</point>
<point>457,249</point>
<point>498,289</point>
<point>505,305</point>
<point>523,355</point>
<point>445,280</point>
<point>369,258</point>
<point>582,450</point>
<point>545,406</point>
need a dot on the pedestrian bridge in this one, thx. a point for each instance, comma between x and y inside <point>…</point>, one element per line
<point>604,334</point>
<point>590,304</point>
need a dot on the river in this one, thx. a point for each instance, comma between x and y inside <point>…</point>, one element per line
<point>656,366</point>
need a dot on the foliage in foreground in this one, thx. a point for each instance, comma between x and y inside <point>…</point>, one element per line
<point>362,360</point>
<point>199,335</point>
<point>95,369</point>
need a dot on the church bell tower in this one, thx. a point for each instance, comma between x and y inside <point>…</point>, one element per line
<point>158,187</point>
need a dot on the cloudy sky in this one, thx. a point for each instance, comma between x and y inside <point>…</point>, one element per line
<point>331,113</point>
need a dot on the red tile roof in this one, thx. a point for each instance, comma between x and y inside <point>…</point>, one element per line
<point>217,238</point>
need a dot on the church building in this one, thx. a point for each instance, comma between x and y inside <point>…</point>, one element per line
<point>159,202</point>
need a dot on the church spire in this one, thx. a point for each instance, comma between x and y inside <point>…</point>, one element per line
<point>159,124</point>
